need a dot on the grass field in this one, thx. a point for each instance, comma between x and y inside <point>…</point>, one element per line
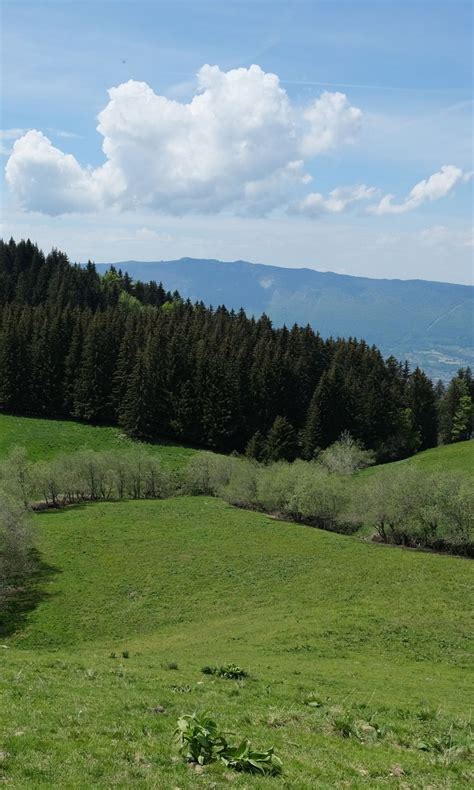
<point>359,654</point>
<point>45,439</point>
<point>375,638</point>
<point>454,458</point>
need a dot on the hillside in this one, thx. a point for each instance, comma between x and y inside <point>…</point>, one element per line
<point>359,669</point>
<point>112,350</point>
<point>45,439</point>
<point>455,458</point>
<point>428,323</point>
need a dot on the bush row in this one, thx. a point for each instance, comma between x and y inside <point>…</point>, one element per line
<point>400,504</point>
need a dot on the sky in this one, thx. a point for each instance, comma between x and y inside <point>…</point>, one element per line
<point>333,135</point>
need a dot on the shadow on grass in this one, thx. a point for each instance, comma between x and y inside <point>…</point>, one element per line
<point>16,605</point>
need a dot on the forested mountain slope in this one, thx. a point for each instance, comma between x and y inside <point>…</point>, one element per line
<point>106,349</point>
<point>428,323</point>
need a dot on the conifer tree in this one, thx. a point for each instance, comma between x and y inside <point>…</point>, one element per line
<point>281,442</point>
<point>255,447</point>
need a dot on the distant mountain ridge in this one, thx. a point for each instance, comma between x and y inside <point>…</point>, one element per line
<point>428,323</point>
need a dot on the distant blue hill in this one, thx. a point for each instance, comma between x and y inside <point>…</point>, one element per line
<point>428,323</point>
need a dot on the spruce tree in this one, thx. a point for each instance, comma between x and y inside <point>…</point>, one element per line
<point>281,444</point>
<point>255,447</point>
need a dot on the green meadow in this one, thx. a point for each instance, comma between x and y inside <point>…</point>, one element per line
<point>45,439</point>
<point>455,458</point>
<point>359,655</point>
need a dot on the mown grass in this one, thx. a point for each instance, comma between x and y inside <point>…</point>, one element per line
<point>45,439</point>
<point>358,654</point>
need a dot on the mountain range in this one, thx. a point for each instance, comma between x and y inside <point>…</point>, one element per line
<point>428,323</point>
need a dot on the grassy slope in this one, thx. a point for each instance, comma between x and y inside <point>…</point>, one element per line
<point>454,458</point>
<point>47,438</point>
<point>379,634</point>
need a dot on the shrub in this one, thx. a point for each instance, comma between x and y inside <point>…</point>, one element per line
<point>228,671</point>
<point>244,758</point>
<point>199,740</point>
<point>16,556</point>
<point>207,473</point>
<point>241,488</point>
<point>318,498</point>
<point>16,475</point>
<point>346,456</point>
<point>409,507</point>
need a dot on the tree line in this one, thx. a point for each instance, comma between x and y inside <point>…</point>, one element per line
<point>111,350</point>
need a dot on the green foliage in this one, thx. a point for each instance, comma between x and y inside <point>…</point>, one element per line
<point>256,447</point>
<point>244,758</point>
<point>115,351</point>
<point>346,456</point>
<point>16,560</point>
<point>409,507</point>
<point>281,441</point>
<point>129,303</point>
<point>199,739</point>
<point>87,475</point>
<point>207,473</point>
<point>462,419</point>
<point>228,671</point>
<point>456,410</point>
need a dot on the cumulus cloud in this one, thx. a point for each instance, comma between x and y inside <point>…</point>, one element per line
<point>435,187</point>
<point>240,143</point>
<point>332,121</point>
<point>45,179</point>
<point>336,202</point>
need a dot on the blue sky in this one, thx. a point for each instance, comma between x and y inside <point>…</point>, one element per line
<point>405,70</point>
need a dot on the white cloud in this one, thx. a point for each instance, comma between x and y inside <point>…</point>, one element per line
<point>7,135</point>
<point>332,121</point>
<point>435,187</point>
<point>336,202</point>
<point>240,143</point>
<point>45,179</point>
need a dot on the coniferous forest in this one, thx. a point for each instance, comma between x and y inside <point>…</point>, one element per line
<point>111,350</point>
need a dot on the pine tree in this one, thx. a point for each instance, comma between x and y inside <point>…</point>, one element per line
<point>137,403</point>
<point>422,402</point>
<point>462,419</point>
<point>255,447</point>
<point>281,442</point>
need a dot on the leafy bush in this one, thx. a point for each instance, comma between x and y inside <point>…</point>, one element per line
<point>17,561</point>
<point>409,507</point>
<point>87,475</point>
<point>244,758</point>
<point>207,473</point>
<point>229,671</point>
<point>346,456</point>
<point>200,741</point>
